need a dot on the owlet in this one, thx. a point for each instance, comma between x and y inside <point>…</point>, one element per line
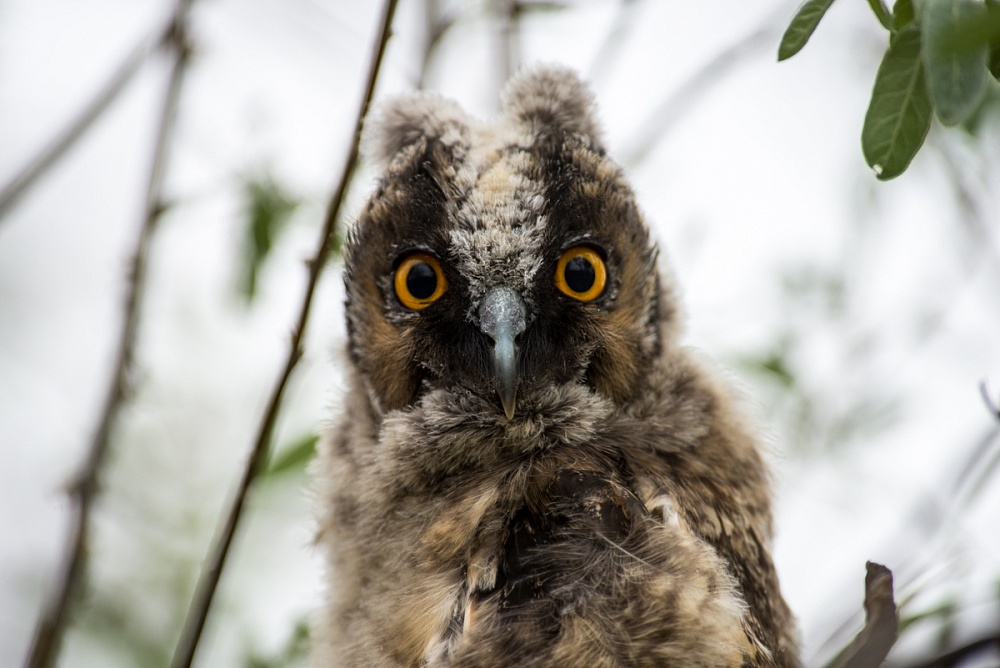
<point>529,469</point>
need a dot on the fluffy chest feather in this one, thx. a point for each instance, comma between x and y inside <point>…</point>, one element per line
<point>490,531</point>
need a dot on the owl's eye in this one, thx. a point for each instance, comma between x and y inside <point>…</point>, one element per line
<point>419,281</point>
<point>581,274</point>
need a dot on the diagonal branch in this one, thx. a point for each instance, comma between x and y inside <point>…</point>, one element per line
<point>610,49</point>
<point>871,646</point>
<point>85,486</point>
<point>49,156</point>
<point>700,82</point>
<point>992,406</point>
<point>955,656</point>
<point>438,24</point>
<point>194,623</point>
<point>508,44</point>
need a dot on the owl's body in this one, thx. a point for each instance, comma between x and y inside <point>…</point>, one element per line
<point>529,469</point>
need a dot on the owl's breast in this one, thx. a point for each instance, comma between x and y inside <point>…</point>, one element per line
<point>568,567</point>
<point>483,541</point>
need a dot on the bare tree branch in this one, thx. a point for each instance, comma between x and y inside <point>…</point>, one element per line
<point>611,47</point>
<point>508,45</point>
<point>52,624</point>
<point>49,156</point>
<point>871,646</point>
<point>954,657</point>
<point>194,623</point>
<point>971,192</point>
<point>437,25</point>
<point>680,100</point>
<point>991,404</point>
<point>928,522</point>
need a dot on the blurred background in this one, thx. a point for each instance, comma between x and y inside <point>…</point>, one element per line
<point>859,317</point>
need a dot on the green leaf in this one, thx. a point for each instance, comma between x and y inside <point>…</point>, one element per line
<point>974,29</point>
<point>268,208</point>
<point>987,111</point>
<point>541,7</point>
<point>802,26</point>
<point>337,243</point>
<point>954,58</point>
<point>881,13</point>
<point>902,15</point>
<point>993,18</point>
<point>899,114</point>
<point>774,366</point>
<point>940,611</point>
<point>295,456</point>
<point>295,651</point>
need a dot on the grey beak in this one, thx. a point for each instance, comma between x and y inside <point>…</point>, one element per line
<point>502,318</point>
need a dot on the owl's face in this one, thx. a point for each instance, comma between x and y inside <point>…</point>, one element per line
<point>501,260</point>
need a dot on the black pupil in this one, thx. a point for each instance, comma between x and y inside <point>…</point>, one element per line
<point>579,274</point>
<point>421,280</point>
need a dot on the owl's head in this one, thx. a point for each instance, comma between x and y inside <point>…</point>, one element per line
<point>501,259</point>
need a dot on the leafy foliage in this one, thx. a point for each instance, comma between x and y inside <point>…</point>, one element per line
<point>294,653</point>
<point>293,457</point>
<point>939,55</point>
<point>882,13</point>
<point>956,73</point>
<point>899,114</point>
<point>802,26</point>
<point>268,207</point>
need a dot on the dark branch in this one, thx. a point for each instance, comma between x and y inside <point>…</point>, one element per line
<point>12,192</point>
<point>991,404</point>
<point>508,46</point>
<point>52,624</point>
<point>976,214</point>
<point>194,623</point>
<point>870,647</point>
<point>679,101</point>
<point>610,49</point>
<point>954,657</point>
<point>438,24</point>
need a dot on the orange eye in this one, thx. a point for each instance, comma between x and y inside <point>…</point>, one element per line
<point>581,274</point>
<point>419,281</point>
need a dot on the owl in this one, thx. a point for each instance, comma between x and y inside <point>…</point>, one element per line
<point>529,468</point>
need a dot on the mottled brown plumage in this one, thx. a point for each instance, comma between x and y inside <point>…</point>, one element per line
<point>620,516</point>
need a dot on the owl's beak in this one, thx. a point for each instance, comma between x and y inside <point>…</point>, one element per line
<point>502,318</point>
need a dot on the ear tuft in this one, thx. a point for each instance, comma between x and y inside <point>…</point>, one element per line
<point>406,119</point>
<point>553,100</point>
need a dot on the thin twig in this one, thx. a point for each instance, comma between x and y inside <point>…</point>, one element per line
<point>681,99</point>
<point>954,656</point>
<point>991,405</point>
<point>211,572</point>
<point>970,192</point>
<point>610,49</point>
<point>49,156</point>
<point>508,46</point>
<point>881,629</point>
<point>438,24</point>
<point>84,488</point>
<point>977,469</point>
